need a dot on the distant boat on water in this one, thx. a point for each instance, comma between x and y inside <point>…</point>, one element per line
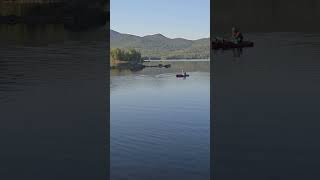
<point>182,75</point>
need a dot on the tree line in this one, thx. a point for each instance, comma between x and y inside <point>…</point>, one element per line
<point>125,55</point>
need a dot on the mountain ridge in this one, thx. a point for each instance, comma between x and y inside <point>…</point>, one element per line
<point>160,46</point>
<point>157,34</point>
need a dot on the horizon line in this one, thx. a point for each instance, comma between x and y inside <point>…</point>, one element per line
<point>162,35</point>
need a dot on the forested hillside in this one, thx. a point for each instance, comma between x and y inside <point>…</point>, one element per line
<point>158,46</point>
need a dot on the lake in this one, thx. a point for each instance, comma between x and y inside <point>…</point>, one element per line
<point>53,103</point>
<point>267,109</point>
<point>160,124</point>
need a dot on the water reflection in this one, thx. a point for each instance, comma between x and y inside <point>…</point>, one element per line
<point>48,75</point>
<point>40,35</point>
<point>236,52</point>
<point>35,34</point>
<point>176,66</point>
<point>266,109</point>
<point>152,115</point>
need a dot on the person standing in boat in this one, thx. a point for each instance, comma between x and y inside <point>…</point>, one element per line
<point>237,36</point>
<point>183,72</point>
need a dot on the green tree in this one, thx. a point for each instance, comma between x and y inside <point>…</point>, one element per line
<point>117,54</point>
<point>125,55</point>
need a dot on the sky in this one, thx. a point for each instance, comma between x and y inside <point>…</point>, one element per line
<point>189,19</point>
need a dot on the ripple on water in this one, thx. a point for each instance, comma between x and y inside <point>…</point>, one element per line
<point>160,124</point>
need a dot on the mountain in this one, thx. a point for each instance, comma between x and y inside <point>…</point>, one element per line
<point>159,46</point>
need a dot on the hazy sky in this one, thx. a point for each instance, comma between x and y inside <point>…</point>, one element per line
<point>188,19</point>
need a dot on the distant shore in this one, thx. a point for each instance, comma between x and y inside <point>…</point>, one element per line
<point>69,14</point>
<point>136,66</point>
<point>172,60</point>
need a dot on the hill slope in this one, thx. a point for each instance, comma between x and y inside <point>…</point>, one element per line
<point>159,46</point>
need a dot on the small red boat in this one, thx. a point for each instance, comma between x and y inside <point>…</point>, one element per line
<point>230,45</point>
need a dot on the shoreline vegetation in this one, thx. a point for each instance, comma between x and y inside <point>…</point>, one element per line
<point>130,59</point>
<point>73,14</point>
<point>125,59</point>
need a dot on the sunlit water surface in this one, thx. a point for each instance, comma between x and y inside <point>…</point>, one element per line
<point>160,124</point>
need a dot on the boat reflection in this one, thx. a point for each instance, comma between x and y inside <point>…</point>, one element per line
<point>237,52</point>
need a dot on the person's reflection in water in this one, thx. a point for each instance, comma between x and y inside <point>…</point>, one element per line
<point>237,52</point>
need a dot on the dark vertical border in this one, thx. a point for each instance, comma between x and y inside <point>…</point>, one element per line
<point>212,96</point>
<point>108,91</point>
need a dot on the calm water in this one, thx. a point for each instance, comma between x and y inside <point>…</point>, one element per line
<point>53,104</point>
<point>267,109</point>
<point>160,125</point>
